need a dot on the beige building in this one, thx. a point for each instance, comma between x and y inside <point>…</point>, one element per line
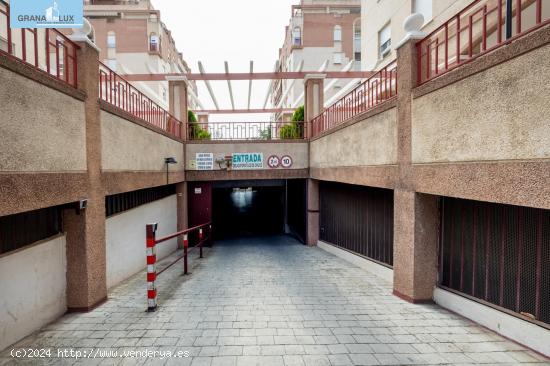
<point>382,25</point>
<point>321,36</point>
<point>134,40</point>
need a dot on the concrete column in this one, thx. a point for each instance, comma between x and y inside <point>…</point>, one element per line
<point>182,214</point>
<point>312,212</point>
<point>416,220</point>
<point>178,103</point>
<point>86,249</point>
<point>416,216</point>
<point>314,98</point>
<point>203,117</point>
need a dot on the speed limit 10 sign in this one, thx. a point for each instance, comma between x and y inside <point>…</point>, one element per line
<point>286,161</point>
<point>274,161</point>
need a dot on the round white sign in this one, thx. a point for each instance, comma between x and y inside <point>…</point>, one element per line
<point>273,161</point>
<point>286,161</point>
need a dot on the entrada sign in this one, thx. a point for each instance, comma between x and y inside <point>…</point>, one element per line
<point>46,13</point>
<point>244,161</point>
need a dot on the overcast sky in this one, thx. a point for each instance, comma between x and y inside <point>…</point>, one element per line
<point>237,31</point>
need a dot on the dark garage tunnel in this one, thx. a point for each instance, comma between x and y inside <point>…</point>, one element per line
<point>258,208</point>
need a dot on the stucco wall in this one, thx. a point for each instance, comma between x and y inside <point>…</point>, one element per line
<point>507,115</point>
<point>32,284</point>
<point>128,146</point>
<point>298,151</point>
<point>41,129</point>
<point>369,142</point>
<point>125,237</point>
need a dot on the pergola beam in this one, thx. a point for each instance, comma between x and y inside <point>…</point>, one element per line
<point>212,95</point>
<point>287,75</point>
<point>250,83</point>
<point>270,88</point>
<point>289,88</point>
<point>240,111</point>
<point>229,85</point>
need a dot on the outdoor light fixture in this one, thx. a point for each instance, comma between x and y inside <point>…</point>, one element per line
<point>168,161</point>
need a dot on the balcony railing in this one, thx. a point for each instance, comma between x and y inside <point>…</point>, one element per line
<point>479,28</point>
<point>247,131</point>
<point>48,50</point>
<point>115,90</point>
<point>379,88</point>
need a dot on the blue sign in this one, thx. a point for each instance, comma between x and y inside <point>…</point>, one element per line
<point>245,161</point>
<point>46,13</point>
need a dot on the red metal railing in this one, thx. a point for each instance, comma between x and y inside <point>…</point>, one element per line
<point>151,241</point>
<point>379,88</point>
<point>116,90</point>
<point>48,50</point>
<point>476,30</point>
<point>247,131</point>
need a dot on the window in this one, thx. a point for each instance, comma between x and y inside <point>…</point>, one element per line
<point>111,40</point>
<point>384,40</point>
<point>297,36</point>
<point>154,43</point>
<point>337,57</point>
<point>3,44</point>
<point>423,7</point>
<point>357,40</point>
<point>20,230</point>
<point>337,34</point>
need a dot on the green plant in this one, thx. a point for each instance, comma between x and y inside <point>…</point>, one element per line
<point>197,133</point>
<point>191,116</point>
<point>293,130</point>
<point>298,115</point>
<point>266,133</point>
<point>290,131</point>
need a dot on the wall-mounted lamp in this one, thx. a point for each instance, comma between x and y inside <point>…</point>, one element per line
<point>168,161</point>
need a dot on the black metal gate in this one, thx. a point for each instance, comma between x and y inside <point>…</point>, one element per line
<point>359,219</point>
<point>499,254</point>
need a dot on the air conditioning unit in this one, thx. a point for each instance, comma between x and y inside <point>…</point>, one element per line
<point>385,48</point>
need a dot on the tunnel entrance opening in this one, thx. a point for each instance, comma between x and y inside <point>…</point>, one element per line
<point>248,211</point>
<point>250,208</point>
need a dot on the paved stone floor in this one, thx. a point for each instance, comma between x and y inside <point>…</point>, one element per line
<point>269,301</point>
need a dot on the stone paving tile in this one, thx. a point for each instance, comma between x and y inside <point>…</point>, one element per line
<point>265,302</point>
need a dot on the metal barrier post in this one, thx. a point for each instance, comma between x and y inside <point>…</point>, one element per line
<point>200,242</point>
<point>150,242</point>
<point>185,246</point>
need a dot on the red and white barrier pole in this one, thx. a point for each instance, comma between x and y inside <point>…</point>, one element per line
<point>151,230</point>
<point>185,246</point>
<point>200,242</point>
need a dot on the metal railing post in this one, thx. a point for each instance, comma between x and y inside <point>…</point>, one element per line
<point>509,16</point>
<point>150,242</point>
<point>200,242</point>
<point>185,246</point>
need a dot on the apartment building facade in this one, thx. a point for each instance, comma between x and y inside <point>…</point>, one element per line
<point>134,40</point>
<point>321,35</point>
<point>382,25</point>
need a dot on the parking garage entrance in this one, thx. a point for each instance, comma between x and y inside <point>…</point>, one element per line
<point>245,208</point>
